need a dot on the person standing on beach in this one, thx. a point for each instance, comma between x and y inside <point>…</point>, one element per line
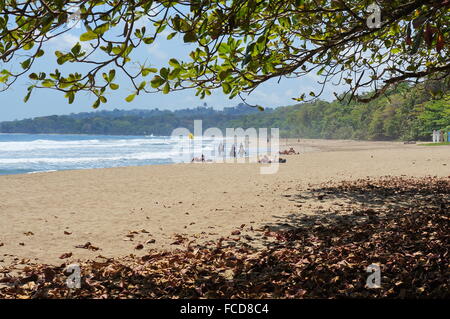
<point>247,146</point>
<point>221,149</point>
<point>241,150</point>
<point>233,151</point>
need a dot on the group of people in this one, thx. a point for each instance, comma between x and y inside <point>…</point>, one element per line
<point>233,151</point>
<point>221,151</point>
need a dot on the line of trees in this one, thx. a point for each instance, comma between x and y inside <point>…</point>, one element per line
<point>405,113</point>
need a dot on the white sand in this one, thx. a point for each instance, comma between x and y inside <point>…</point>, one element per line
<point>203,201</point>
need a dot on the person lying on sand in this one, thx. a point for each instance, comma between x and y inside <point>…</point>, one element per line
<point>266,160</point>
<point>199,159</point>
<point>290,152</point>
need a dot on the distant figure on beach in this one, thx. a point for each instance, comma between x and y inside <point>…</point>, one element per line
<point>247,146</point>
<point>290,152</point>
<point>199,159</point>
<point>221,149</point>
<point>241,150</point>
<point>233,151</point>
<point>265,160</point>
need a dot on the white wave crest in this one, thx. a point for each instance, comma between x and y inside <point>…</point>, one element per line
<point>85,144</point>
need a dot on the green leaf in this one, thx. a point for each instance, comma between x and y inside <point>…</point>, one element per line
<point>112,75</point>
<point>226,87</point>
<point>40,53</point>
<point>147,71</point>
<point>26,64</point>
<point>116,50</point>
<point>224,74</point>
<point>101,29</point>
<point>174,63</point>
<point>96,104</point>
<point>48,83</point>
<point>170,36</point>
<point>114,86</point>
<point>28,46</point>
<point>164,72</point>
<point>88,36</point>
<point>190,37</point>
<point>71,96</point>
<point>130,98</point>
<point>27,97</point>
<point>63,59</point>
<point>148,40</point>
<point>166,88</point>
<point>76,49</point>
<point>157,81</point>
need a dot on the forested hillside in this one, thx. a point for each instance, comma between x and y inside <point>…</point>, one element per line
<point>130,122</point>
<point>406,113</point>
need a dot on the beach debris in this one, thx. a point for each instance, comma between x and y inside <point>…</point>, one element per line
<point>236,232</point>
<point>22,244</point>
<point>65,256</point>
<point>139,247</point>
<point>150,241</point>
<point>67,233</point>
<point>179,239</point>
<point>28,233</point>
<point>2,244</point>
<point>89,246</point>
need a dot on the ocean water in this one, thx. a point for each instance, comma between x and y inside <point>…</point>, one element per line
<point>32,153</point>
<point>28,153</point>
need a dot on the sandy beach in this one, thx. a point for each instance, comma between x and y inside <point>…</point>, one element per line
<point>46,215</point>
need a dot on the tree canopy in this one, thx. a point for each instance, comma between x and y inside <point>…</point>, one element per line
<point>236,45</point>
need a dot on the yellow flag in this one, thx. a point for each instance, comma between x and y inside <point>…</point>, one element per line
<point>191,136</point>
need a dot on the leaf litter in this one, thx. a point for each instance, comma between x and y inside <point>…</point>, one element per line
<point>410,241</point>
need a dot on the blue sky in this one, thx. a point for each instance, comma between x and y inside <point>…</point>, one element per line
<point>48,102</point>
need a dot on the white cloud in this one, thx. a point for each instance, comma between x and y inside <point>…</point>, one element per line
<point>66,41</point>
<point>156,52</point>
